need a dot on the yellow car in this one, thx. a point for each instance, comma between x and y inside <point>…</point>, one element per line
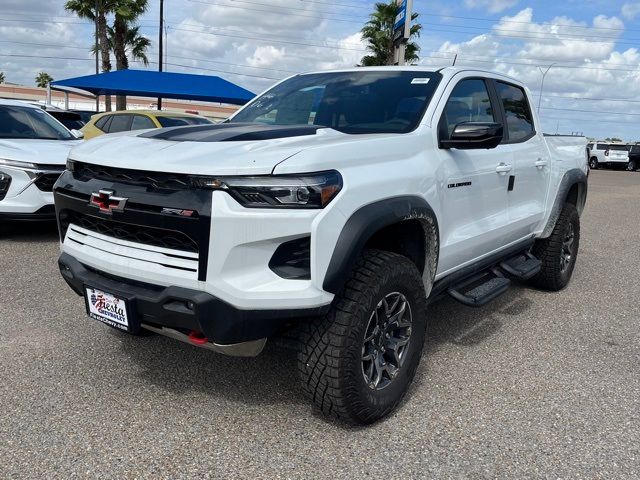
<point>122,121</point>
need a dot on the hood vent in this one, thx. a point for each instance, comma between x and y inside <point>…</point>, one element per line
<point>231,132</point>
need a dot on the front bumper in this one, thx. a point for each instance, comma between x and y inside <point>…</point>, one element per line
<point>176,311</point>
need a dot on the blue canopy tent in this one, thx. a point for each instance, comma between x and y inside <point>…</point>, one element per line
<point>147,83</point>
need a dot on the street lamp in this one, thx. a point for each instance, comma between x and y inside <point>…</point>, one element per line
<point>544,74</point>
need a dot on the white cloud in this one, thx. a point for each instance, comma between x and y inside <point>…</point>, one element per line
<point>587,62</point>
<point>631,10</point>
<point>492,6</point>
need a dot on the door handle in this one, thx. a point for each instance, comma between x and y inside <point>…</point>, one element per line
<point>503,168</point>
<point>540,163</point>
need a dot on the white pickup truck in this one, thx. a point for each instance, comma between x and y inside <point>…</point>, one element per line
<point>336,205</point>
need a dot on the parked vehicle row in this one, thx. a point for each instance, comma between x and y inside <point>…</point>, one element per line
<point>612,155</point>
<point>128,120</point>
<point>35,140</point>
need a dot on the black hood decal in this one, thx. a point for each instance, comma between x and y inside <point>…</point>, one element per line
<point>231,132</point>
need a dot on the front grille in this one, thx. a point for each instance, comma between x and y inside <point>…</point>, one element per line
<point>155,237</point>
<point>157,180</point>
<point>45,181</point>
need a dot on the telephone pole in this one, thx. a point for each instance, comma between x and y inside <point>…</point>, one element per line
<point>97,54</point>
<point>160,35</point>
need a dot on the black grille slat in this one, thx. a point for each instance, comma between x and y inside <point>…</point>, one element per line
<point>157,180</point>
<point>154,237</point>
<point>45,181</point>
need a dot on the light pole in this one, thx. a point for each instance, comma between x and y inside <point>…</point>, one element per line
<point>544,74</point>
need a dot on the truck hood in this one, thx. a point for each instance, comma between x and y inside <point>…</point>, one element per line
<point>224,149</point>
<point>42,152</point>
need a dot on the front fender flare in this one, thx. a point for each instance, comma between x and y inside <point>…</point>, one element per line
<point>366,221</point>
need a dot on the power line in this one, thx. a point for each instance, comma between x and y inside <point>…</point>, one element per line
<point>279,13</point>
<point>490,20</point>
<point>304,44</point>
<point>589,111</point>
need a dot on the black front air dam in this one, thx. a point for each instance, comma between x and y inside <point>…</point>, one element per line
<point>160,306</point>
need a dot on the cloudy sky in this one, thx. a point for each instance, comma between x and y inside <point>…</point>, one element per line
<point>593,86</point>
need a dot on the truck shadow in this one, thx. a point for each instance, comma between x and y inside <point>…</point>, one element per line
<point>32,232</point>
<point>271,378</point>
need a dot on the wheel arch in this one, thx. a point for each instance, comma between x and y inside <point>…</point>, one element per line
<point>373,225</point>
<point>573,189</point>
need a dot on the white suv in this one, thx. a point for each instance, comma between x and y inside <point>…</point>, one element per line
<point>336,205</point>
<point>609,155</point>
<point>33,150</point>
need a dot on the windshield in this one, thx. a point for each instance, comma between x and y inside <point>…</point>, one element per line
<point>31,123</point>
<point>68,119</point>
<point>181,121</point>
<point>351,102</point>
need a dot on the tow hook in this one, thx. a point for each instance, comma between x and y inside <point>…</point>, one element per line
<point>197,338</point>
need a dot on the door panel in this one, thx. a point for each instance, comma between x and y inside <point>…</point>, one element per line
<point>531,162</point>
<point>474,195</point>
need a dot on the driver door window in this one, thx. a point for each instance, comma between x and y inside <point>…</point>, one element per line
<point>469,102</point>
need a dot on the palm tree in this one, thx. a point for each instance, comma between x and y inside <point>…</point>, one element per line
<point>125,36</point>
<point>378,32</point>
<point>87,9</point>
<point>43,79</point>
<point>2,77</point>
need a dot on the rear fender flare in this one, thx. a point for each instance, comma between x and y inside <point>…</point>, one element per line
<point>572,177</point>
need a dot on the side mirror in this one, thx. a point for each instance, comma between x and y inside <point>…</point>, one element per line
<point>474,135</point>
<point>77,133</point>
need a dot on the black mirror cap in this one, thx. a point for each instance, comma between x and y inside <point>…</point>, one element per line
<point>475,135</point>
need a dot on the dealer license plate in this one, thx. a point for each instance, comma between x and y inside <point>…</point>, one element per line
<point>107,308</point>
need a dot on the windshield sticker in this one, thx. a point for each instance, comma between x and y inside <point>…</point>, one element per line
<point>420,81</point>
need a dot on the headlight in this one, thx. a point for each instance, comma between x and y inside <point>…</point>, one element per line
<point>311,190</point>
<point>17,164</point>
<point>71,165</point>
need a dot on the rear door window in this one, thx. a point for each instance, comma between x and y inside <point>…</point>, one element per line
<point>142,122</point>
<point>517,112</point>
<point>120,123</point>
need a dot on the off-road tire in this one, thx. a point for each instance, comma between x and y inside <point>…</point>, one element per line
<point>593,163</point>
<point>331,351</point>
<point>550,250</point>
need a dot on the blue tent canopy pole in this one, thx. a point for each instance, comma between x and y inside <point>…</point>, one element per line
<point>147,83</point>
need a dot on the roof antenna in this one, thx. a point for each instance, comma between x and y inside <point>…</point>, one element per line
<point>454,60</point>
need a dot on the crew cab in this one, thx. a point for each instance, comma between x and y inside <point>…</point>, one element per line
<point>33,151</point>
<point>609,155</point>
<point>334,207</point>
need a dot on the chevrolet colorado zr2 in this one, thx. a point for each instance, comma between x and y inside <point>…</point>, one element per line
<point>336,205</point>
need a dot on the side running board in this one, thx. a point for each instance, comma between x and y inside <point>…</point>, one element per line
<point>522,267</point>
<point>480,289</point>
<point>485,286</point>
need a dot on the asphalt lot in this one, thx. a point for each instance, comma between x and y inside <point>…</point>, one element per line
<point>534,385</point>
